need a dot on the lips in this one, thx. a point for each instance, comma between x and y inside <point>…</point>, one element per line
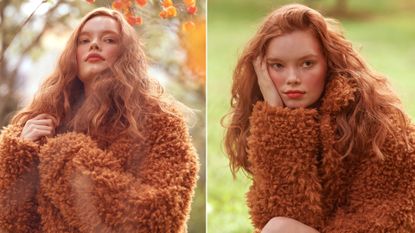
<point>294,94</point>
<point>94,57</point>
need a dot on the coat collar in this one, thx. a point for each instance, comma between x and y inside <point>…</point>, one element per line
<point>339,93</point>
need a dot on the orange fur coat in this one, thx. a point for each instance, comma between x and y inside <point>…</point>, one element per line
<point>298,174</point>
<point>70,185</point>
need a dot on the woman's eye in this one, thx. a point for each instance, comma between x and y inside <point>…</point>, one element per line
<point>83,41</point>
<point>277,66</point>
<point>109,40</point>
<point>308,64</point>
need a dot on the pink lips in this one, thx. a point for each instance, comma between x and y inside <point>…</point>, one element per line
<point>94,57</point>
<point>294,94</point>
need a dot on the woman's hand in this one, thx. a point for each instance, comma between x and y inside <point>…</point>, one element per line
<point>39,126</point>
<point>268,89</point>
<point>286,225</point>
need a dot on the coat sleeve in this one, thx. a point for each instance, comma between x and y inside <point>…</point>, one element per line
<point>95,193</point>
<point>18,182</point>
<point>382,194</point>
<point>282,151</point>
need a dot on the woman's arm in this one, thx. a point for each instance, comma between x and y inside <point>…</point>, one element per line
<point>282,151</point>
<point>18,182</point>
<point>94,192</point>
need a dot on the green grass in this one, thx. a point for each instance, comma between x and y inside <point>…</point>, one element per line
<point>385,41</point>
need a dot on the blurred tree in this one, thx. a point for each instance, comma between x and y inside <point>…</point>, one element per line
<point>20,34</point>
<point>341,7</point>
<point>335,8</point>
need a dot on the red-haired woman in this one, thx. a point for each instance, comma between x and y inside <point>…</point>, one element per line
<point>322,135</point>
<point>98,149</point>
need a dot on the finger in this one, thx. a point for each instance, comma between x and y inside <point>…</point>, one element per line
<point>41,127</point>
<point>46,122</point>
<point>264,66</point>
<point>41,132</point>
<point>54,120</point>
<point>263,77</point>
<point>261,74</point>
<point>47,116</point>
<point>257,63</point>
<point>36,134</point>
<point>41,116</point>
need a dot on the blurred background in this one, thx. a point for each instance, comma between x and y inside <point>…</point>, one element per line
<point>33,33</point>
<point>382,30</point>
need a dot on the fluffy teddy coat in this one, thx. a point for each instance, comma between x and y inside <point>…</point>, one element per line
<point>69,184</point>
<point>297,173</point>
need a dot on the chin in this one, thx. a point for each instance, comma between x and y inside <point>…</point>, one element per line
<point>96,70</point>
<point>302,103</point>
<point>90,74</point>
<point>296,104</point>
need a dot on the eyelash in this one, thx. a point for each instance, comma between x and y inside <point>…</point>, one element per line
<point>311,63</point>
<point>304,65</point>
<point>108,40</point>
<point>84,41</point>
<point>277,66</point>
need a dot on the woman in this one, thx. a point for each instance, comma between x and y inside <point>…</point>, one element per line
<point>322,135</point>
<point>98,149</point>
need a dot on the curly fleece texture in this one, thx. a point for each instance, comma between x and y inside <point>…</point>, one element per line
<point>71,185</point>
<point>297,173</point>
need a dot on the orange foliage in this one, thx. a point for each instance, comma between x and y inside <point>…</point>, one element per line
<point>141,2</point>
<point>192,10</point>
<point>168,8</point>
<point>193,39</point>
<point>189,2</point>
<point>167,3</point>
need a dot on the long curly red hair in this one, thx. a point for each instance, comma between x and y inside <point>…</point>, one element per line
<point>122,95</point>
<point>375,102</point>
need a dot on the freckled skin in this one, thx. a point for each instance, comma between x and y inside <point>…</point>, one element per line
<point>296,62</point>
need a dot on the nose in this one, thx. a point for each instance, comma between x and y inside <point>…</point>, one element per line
<point>94,45</point>
<point>293,77</point>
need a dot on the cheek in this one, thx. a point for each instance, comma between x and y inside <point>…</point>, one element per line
<point>316,80</point>
<point>79,54</point>
<point>112,54</point>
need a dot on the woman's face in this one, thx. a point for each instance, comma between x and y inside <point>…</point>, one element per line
<point>297,67</point>
<point>98,46</point>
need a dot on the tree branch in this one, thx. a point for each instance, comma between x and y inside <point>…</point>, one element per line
<point>6,45</point>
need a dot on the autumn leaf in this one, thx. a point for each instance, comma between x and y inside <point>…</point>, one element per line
<point>141,2</point>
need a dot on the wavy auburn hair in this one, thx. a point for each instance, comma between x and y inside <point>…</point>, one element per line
<point>120,98</point>
<point>375,102</point>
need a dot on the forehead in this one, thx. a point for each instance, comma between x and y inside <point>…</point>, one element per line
<point>99,24</point>
<point>294,45</point>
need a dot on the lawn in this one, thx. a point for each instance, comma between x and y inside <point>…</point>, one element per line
<point>385,40</point>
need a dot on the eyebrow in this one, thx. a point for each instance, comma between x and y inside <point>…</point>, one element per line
<point>273,59</point>
<point>103,32</point>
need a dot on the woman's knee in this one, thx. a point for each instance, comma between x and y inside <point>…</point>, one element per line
<point>275,224</point>
<point>286,225</point>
